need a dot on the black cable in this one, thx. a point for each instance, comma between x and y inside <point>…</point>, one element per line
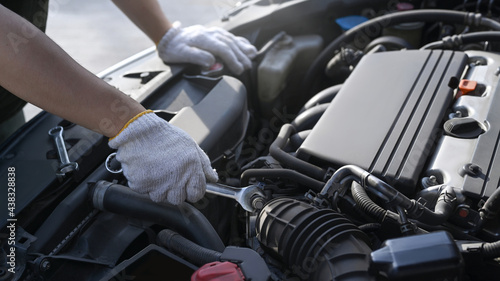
<point>370,227</point>
<point>366,204</point>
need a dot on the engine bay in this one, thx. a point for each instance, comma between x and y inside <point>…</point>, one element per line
<point>362,145</point>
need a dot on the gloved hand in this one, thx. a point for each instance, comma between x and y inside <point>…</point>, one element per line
<point>198,45</point>
<point>162,160</point>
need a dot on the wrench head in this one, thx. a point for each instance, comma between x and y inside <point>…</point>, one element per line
<point>67,168</point>
<point>248,196</point>
<point>112,165</point>
<point>56,131</point>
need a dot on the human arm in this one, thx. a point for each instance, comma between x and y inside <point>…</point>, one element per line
<point>147,15</point>
<point>194,44</point>
<point>158,159</point>
<point>37,70</point>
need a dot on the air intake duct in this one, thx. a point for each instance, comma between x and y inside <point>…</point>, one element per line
<point>316,244</point>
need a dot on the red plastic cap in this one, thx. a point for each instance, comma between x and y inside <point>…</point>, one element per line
<point>463,212</point>
<point>218,271</point>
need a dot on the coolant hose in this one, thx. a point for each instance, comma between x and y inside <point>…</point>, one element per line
<point>458,40</point>
<point>307,119</point>
<point>281,173</point>
<point>389,42</point>
<point>296,140</point>
<point>489,210</point>
<point>443,210</point>
<point>491,207</point>
<point>192,251</point>
<point>185,218</point>
<point>276,151</point>
<point>325,96</point>
<point>491,250</point>
<point>375,26</point>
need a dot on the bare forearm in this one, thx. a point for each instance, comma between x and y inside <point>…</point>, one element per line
<point>147,15</point>
<point>35,69</point>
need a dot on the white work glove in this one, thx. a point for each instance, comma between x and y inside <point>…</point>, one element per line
<point>198,45</point>
<point>161,160</point>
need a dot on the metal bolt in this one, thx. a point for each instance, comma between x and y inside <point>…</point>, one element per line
<point>430,181</point>
<point>44,265</point>
<point>258,203</point>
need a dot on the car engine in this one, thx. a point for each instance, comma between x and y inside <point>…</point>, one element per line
<point>362,145</point>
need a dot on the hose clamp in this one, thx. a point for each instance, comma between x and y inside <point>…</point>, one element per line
<point>364,178</point>
<point>100,189</point>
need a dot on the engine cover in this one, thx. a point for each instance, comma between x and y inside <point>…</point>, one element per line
<point>388,115</point>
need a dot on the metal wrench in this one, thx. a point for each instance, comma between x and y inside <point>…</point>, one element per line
<point>250,198</point>
<point>65,166</point>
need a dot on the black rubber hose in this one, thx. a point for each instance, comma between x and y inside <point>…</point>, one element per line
<point>451,42</point>
<point>444,208</point>
<point>442,211</point>
<point>325,96</point>
<point>390,43</point>
<point>489,210</point>
<point>281,173</point>
<point>491,207</point>
<point>366,204</point>
<point>307,119</point>
<point>479,37</point>
<point>185,218</point>
<point>370,227</point>
<point>374,26</point>
<point>296,140</point>
<point>195,253</point>
<point>276,151</point>
<point>491,250</point>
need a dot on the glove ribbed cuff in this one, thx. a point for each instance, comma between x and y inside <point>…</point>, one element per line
<point>130,121</point>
